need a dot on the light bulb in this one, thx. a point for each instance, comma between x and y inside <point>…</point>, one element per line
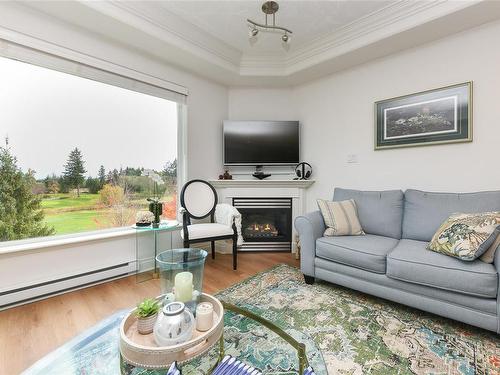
<point>286,38</point>
<point>252,33</point>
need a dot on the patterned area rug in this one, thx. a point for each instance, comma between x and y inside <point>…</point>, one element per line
<point>355,334</point>
<point>360,334</point>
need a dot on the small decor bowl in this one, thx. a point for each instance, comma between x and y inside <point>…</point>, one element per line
<point>174,325</point>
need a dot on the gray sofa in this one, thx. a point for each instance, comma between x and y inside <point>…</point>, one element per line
<point>391,261</point>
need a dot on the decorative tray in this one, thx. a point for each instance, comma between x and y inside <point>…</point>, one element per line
<point>142,351</point>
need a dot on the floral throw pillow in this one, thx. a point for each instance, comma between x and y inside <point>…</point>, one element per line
<point>466,236</point>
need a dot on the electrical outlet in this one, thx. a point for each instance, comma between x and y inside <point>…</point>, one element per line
<point>352,158</point>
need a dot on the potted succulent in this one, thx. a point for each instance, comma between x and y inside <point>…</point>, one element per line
<point>144,218</point>
<point>146,313</point>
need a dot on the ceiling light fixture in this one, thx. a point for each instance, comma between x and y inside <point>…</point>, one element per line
<point>269,8</point>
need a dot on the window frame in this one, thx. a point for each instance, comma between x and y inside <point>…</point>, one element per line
<point>29,50</point>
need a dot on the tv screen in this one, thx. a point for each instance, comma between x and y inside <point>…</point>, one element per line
<point>261,142</point>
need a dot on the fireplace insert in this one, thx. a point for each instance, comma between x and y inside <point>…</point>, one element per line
<point>266,223</point>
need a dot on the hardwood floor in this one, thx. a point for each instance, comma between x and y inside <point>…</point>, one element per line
<point>29,332</point>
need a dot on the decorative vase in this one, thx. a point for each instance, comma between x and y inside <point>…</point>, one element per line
<point>157,209</point>
<point>145,325</point>
<point>174,325</point>
<point>181,275</point>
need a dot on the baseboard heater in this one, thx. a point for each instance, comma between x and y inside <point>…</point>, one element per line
<point>35,292</point>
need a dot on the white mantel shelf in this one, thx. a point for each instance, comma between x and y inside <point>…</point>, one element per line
<point>302,184</point>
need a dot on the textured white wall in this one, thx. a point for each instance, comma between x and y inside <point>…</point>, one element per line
<point>337,117</point>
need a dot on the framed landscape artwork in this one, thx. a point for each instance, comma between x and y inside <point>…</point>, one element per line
<point>436,116</point>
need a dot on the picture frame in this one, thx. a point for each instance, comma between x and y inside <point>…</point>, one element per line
<point>437,116</point>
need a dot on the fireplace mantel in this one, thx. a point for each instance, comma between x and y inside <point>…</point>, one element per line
<point>293,189</point>
<point>301,184</point>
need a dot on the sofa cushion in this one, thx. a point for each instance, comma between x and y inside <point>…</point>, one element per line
<point>424,211</point>
<point>410,261</point>
<point>379,212</point>
<point>367,252</point>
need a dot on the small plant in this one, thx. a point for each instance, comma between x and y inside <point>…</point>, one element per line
<point>147,308</point>
<point>144,217</point>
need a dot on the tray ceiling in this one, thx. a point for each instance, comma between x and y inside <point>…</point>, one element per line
<point>210,38</point>
<point>226,20</point>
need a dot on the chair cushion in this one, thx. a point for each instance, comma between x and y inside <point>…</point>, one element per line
<point>410,261</point>
<point>367,252</point>
<point>379,212</point>
<point>424,211</point>
<point>207,230</point>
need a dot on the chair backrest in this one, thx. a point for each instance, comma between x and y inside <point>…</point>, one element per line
<point>199,199</point>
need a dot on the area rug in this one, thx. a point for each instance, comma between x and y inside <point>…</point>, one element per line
<point>360,334</point>
<point>345,333</point>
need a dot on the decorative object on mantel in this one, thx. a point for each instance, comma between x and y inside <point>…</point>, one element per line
<point>225,176</point>
<point>259,173</point>
<point>155,205</point>
<point>146,313</point>
<point>430,117</point>
<point>303,171</point>
<point>144,218</point>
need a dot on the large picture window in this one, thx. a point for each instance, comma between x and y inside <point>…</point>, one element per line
<point>79,155</point>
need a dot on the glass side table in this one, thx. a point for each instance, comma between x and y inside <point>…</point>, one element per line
<point>149,242</point>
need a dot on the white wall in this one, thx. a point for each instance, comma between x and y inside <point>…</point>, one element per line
<point>207,101</point>
<point>261,104</point>
<point>337,117</point>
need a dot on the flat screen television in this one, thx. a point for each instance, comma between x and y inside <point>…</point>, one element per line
<point>261,142</point>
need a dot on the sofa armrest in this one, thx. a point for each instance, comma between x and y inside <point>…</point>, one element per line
<point>310,227</point>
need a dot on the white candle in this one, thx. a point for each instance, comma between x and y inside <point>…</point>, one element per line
<point>204,316</point>
<point>183,286</point>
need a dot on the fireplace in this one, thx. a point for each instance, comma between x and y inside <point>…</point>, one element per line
<point>266,223</point>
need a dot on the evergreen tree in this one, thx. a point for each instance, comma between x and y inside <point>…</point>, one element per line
<point>102,176</point>
<point>170,168</point>
<point>74,170</point>
<point>21,215</point>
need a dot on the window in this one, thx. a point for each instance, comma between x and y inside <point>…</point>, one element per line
<point>80,155</point>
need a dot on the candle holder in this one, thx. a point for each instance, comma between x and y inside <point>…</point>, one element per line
<point>181,276</point>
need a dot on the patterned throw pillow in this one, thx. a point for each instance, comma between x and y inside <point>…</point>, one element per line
<point>466,236</point>
<point>341,218</point>
<point>489,255</point>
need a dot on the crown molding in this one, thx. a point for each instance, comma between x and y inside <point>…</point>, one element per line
<point>157,22</point>
<point>388,21</point>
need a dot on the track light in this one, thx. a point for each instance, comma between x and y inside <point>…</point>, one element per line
<point>269,8</point>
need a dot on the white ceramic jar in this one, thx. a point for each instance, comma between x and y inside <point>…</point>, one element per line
<point>174,325</point>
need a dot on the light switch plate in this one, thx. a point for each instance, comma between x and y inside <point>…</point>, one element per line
<point>352,158</point>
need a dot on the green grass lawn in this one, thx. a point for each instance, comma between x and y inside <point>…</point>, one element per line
<point>75,221</point>
<point>69,201</point>
<point>67,213</point>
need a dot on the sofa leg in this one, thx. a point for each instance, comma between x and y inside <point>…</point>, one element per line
<point>308,279</point>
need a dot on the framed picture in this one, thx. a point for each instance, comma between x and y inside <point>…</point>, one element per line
<point>431,117</point>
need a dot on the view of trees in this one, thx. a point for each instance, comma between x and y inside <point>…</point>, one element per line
<point>21,214</point>
<point>74,201</point>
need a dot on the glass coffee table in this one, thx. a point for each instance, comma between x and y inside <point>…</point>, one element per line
<point>247,336</point>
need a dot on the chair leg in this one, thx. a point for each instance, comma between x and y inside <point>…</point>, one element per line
<point>235,253</point>
<point>213,249</point>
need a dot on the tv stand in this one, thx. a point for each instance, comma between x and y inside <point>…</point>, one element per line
<point>259,173</point>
